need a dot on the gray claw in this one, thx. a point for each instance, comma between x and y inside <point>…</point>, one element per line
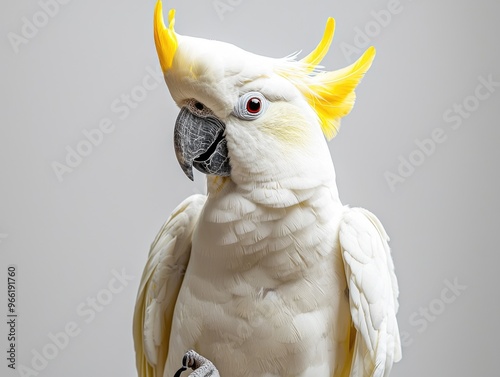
<point>201,367</point>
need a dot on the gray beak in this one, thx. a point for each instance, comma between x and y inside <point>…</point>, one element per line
<point>200,142</point>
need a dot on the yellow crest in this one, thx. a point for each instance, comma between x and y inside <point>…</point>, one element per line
<point>330,94</point>
<point>165,38</point>
<point>316,56</point>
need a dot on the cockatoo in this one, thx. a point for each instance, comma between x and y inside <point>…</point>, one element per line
<point>269,274</point>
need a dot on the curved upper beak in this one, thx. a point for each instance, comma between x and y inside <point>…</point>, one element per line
<point>200,142</point>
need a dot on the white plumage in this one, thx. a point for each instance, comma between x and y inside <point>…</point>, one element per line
<point>269,275</point>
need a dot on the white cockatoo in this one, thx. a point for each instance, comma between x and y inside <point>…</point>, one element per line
<point>269,274</point>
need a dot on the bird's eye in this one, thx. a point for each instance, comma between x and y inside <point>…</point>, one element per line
<point>250,106</point>
<point>254,105</point>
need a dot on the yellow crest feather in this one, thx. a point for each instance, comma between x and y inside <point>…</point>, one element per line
<point>330,94</point>
<point>165,38</point>
<point>316,56</point>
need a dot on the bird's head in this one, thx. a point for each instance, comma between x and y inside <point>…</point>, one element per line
<point>250,117</point>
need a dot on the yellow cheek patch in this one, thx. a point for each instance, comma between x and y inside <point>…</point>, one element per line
<point>284,122</point>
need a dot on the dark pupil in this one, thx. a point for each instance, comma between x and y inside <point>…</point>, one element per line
<point>198,105</point>
<point>253,105</point>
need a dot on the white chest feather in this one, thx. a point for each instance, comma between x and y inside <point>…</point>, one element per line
<point>263,293</point>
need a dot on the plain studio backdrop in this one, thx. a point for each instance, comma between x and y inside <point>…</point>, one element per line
<point>89,174</point>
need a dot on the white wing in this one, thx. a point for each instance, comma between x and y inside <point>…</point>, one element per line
<point>160,285</point>
<point>373,293</point>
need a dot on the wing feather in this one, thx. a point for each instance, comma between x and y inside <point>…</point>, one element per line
<point>160,284</point>
<point>373,293</point>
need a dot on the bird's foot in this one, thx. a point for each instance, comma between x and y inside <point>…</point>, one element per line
<point>201,367</point>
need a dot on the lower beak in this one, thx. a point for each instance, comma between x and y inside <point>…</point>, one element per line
<point>200,142</point>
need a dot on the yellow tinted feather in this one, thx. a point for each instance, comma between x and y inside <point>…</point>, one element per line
<point>331,94</point>
<point>165,38</point>
<point>316,56</point>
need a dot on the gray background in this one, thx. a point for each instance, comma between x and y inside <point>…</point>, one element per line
<point>68,237</point>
